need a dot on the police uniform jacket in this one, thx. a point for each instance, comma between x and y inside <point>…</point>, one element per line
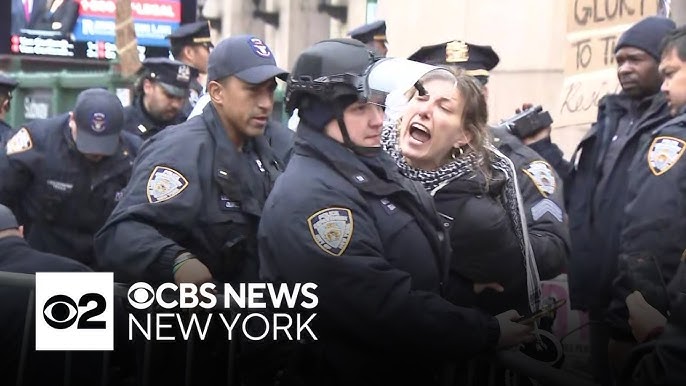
<point>60,196</point>
<point>138,121</point>
<point>194,91</point>
<point>654,224</point>
<point>542,196</point>
<point>191,190</point>
<point>372,243</point>
<point>594,231</point>
<point>281,139</point>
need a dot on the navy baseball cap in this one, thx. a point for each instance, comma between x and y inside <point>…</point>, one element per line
<point>99,118</point>
<point>246,57</point>
<point>7,219</point>
<point>175,77</point>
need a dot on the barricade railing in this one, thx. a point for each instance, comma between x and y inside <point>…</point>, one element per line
<point>513,360</point>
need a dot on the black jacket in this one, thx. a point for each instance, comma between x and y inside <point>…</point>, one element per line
<point>371,241</point>
<point>191,190</point>
<point>662,361</point>
<point>137,120</point>
<point>542,193</point>
<point>60,196</point>
<point>654,223</point>
<point>595,233</point>
<point>485,246</point>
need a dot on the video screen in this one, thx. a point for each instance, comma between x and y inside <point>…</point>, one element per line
<point>87,28</point>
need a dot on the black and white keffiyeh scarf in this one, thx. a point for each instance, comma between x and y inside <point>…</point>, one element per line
<point>434,180</point>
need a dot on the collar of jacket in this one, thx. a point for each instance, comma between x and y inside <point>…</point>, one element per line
<point>229,171</point>
<point>502,137</point>
<point>678,120</point>
<point>153,125</point>
<point>376,175</point>
<point>652,108</point>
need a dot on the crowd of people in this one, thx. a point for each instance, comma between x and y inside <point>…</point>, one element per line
<point>427,232</point>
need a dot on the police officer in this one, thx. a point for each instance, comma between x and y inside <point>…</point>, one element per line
<point>191,44</point>
<point>192,207</point>
<point>373,35</point>
<point>64,175</point>
<point>341,216</point>
<point>161,92</point>
<point>540,186</point>
<point>654,222</point>
<point>191,210</point>
<point>7,85</point>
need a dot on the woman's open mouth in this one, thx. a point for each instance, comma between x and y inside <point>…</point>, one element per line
<point>419,132</point>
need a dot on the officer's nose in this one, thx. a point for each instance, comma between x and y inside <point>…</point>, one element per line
<point>377,116</point>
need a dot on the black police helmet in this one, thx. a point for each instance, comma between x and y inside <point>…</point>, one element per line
<point>330,70</point>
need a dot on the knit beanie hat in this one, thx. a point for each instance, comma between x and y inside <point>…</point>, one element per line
<point>647,35</point>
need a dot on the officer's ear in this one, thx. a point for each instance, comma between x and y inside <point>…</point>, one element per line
<point>72,124</point>
<point>215,89</point>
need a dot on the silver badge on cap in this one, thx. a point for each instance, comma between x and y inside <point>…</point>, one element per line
<point>98,123</point>
<point>183,74</point>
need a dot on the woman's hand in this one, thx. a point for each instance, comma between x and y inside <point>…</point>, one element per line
<point>644,319</point>
<point>511,332</point>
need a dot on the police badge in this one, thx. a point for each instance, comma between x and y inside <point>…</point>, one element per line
<point>664,153</point>
<point>98,122</point>
<point>331,229</point>
<point>165,183</point>
<point>542,175</point>
<point>20,142</point>
<point>456,52</point>
<point>183,74</point>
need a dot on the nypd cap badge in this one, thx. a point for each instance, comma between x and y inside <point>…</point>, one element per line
<point>332,229</point>
<point>165,183</point>
<point>664,153</point>
<point>542,175</point>
<point>20,142</point>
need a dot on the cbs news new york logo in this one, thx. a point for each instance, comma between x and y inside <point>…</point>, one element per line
<point>75,311</point>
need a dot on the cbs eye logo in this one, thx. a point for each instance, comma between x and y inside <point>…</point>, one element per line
<point>61,311</point>
<point>141,295</point>
<point>78,311</point>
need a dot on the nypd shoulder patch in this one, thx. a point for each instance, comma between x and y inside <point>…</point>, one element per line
<point>165,183</point>
<point>332,229</point>
<point>664,153</point>
<point>20,142</point>
<point>541,173</point>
